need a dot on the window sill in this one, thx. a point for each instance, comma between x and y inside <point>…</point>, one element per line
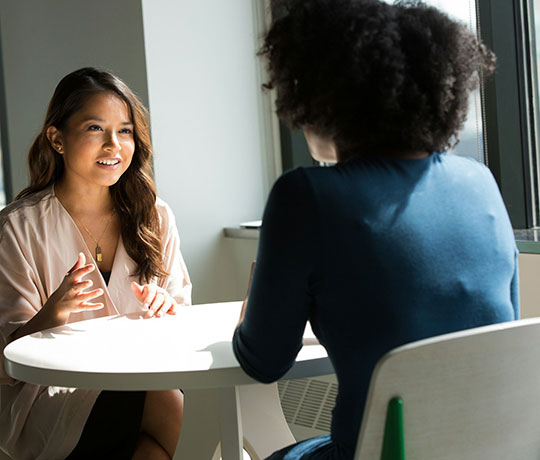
<point>528,241</point>
<point>246,230</point>
<point>241,233</point>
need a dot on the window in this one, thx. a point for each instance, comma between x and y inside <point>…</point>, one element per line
<point>509,98</point>
<point>534,50</point>
<point>472,136</point>
<point>503,125</point>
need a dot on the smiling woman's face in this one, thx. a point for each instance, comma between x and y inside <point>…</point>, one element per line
<point>97,143</point>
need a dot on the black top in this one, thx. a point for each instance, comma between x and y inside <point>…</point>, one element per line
<point>375,253</point>
<point>106,276</point>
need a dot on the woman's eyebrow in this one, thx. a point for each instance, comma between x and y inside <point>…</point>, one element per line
<point>101,120</point>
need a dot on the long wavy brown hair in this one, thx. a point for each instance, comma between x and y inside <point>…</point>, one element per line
<point>134,195</point>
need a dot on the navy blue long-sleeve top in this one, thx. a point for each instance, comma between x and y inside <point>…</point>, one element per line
<point>375,253</point>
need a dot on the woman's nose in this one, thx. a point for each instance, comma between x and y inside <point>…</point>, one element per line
<point>111,142</point>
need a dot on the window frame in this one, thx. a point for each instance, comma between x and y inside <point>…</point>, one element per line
<point>4,140</point>
<point>509,120</point>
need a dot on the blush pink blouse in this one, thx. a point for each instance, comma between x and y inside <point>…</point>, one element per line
<point>39,243</point>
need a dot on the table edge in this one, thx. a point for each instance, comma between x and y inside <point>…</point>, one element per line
<point>133,381</point>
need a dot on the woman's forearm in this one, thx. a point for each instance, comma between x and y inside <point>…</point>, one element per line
<point>43,319</point>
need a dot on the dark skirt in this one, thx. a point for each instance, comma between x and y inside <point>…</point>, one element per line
<point>113,427</point>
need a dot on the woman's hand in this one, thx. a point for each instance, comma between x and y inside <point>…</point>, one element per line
<point>71,297</point>
<point>156,299</point>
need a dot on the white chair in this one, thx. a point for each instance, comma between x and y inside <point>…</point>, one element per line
<point>469,395</point>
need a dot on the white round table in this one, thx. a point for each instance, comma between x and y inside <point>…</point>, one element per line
<point>224,408</point>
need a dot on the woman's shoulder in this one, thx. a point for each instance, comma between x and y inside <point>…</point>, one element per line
<point>26,217</point>
<point>166,215</point>
<point>298,179</point>
<point>163,207</point>
<point>461,162</point>
<point>31,206</point>
<point>465,170</point>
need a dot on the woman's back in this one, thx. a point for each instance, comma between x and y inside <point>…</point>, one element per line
<point>419,248</point>
<point>377,253</point>
<point>394,243</point>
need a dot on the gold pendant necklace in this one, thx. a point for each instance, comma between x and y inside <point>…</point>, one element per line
<point>98,251</point>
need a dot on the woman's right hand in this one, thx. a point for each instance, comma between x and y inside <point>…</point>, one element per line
<point>71,297</point>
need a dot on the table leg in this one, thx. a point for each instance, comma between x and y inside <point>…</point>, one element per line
<point>231,425</point>
<point>211,418</point>
<point>200,433</point>
<point>264,425</point>
<point>228,416</point>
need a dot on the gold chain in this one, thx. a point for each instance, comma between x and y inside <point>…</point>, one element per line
<point>99,252</point>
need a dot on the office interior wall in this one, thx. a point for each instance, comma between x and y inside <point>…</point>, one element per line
<point>43,40</point>
<point>529,287</point>
<point>203,86</point>
<point>198,74</point>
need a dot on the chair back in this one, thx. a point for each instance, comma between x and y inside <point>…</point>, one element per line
<point>468,395</point>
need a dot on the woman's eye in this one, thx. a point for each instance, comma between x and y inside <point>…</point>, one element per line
<point>126,131</point>
<point>94,128</point>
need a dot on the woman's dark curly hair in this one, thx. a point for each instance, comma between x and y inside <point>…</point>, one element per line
<point>373,77</point>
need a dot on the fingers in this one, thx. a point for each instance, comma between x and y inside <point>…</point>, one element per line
<point>157,302</point>
<point>77,300</point>
<point>81,259</point>
<point>83,299</point>
<point>86,296</point>
<point>165,306</point>
<point>91,306</point>
<point>70,296</point>
<point>81,271</point>
<point>148,294</point>
<point>138,290</point>
<point>80,286</point>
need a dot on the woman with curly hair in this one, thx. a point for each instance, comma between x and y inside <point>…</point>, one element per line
<point>398,241</point>
<point>88,238</point>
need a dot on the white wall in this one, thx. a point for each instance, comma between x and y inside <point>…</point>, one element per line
<point>207,128</point>
<point>43,40</point>
<point>194,64</point>
<point>529,288</point>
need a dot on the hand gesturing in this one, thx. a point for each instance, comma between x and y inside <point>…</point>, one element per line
<point>71,297</point>
<point>156,299</point>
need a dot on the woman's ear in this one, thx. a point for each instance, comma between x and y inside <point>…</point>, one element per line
<point>55,139</point>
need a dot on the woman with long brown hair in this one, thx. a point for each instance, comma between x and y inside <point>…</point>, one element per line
<point>88,238</point>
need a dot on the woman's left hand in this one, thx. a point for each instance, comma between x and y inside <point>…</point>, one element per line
<point>156,299</point>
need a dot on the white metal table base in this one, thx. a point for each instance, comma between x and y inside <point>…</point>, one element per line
<point>250,416</point>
